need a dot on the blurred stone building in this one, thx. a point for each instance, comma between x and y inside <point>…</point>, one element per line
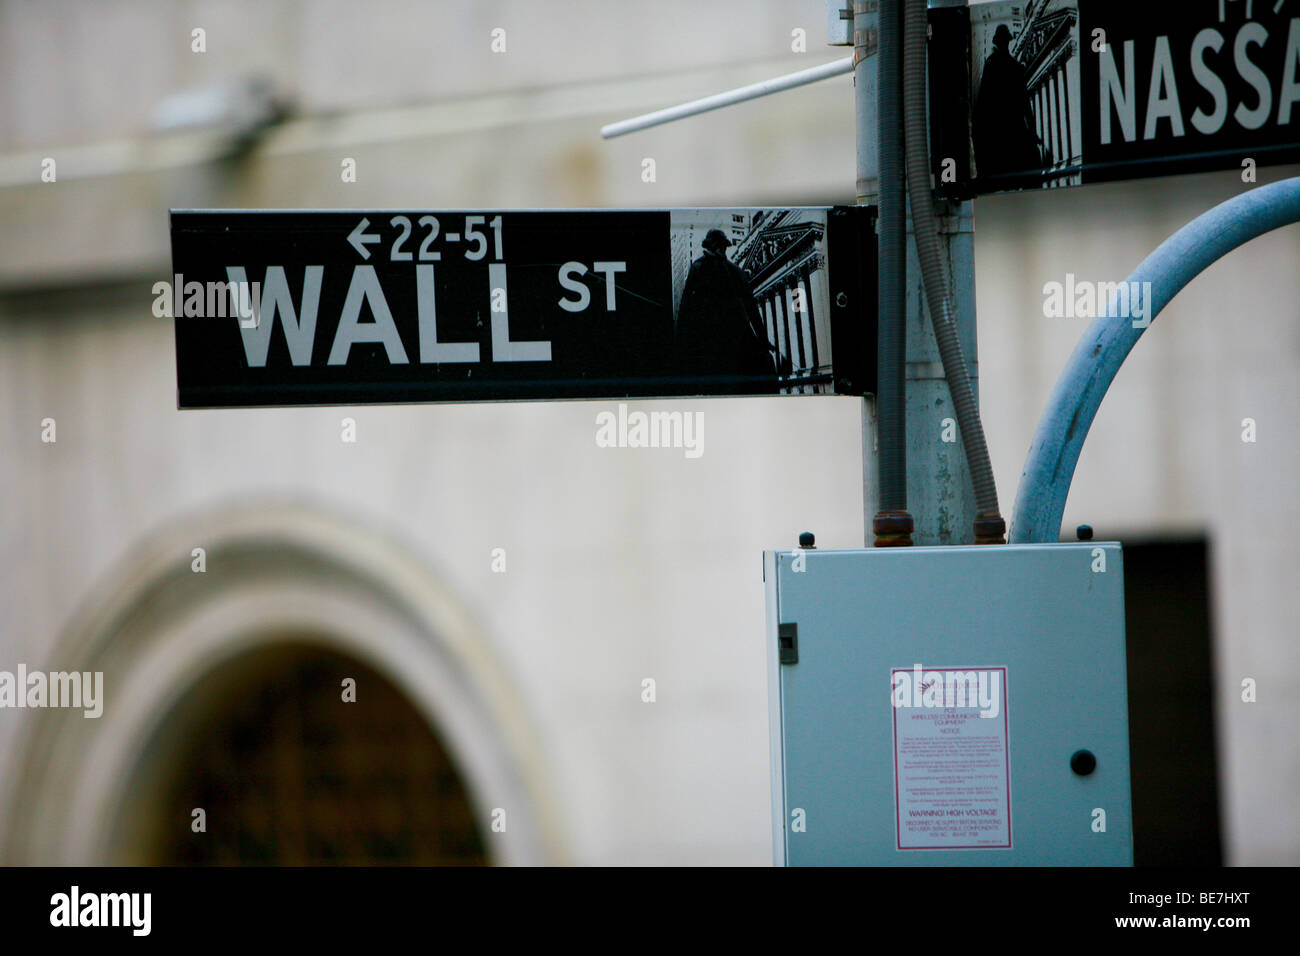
<point>498,588</point>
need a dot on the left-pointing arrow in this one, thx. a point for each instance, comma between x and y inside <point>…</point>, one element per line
<point>360,238</point>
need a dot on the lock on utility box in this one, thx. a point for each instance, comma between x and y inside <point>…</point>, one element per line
<point>949,706</point>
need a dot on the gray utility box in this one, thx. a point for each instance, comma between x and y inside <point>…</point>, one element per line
<point>949,706</point>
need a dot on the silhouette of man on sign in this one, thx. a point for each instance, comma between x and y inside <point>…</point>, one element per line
<point>720,330</point>
<point>1003,127</point>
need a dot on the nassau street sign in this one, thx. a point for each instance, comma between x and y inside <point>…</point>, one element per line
<point>1063,92</point>
<point>306,308</point>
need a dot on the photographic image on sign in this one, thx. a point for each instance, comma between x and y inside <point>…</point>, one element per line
<point>750,295</point>
<point>1070,92</point>
<point>1025,120</point>
<point>309,308</point>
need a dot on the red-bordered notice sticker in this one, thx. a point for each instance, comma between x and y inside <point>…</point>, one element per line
<point>952,765</point>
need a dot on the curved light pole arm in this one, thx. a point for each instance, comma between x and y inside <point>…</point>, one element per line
<point>1049,469</point>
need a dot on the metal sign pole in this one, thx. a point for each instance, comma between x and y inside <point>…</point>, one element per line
<point>941,495</point>
<point>866,18</point>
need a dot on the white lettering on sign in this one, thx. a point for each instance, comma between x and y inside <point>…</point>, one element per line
<point>1162,98</point>
<point>403,224</point>
<point>503,349</point>
<point>1252,74</point>
<point>567,272</point>
<point>359,238</point>
<point>1291,70</point>
<point>475,236</point>
<point>1119,86</point>
<point>1209,123</point>
<point>276,298</point>
<point>569,283</point>
<point>609,269</point>
<point>427,230</point>
<point>365,288</point>
<point>431,350</point>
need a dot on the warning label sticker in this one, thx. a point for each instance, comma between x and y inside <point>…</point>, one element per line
<point>952,768</point>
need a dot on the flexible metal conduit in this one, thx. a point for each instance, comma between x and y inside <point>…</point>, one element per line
<point>1049,469</point>
<point>926,231</point>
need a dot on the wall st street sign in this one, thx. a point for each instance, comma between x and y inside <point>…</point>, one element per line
<point>1069,92</point>
<point>308,308</point>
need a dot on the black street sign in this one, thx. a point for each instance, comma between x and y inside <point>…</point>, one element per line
<point>312,308</point>
<point>1069,92</point>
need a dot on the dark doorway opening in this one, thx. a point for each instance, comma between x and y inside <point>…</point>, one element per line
<point>1171,703</point>
<point>288,773</point>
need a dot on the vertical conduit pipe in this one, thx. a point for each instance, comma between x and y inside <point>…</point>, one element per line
<point>990,528</point>
<point>892,523</point>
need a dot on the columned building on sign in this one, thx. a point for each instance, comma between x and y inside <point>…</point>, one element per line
<point>784,258</point>
<point>1048,48</point>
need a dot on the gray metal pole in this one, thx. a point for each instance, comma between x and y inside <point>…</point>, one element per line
<point>891,525</point>
<point>866,22</point>
<point>941,496</point>
<point>866,25</point>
